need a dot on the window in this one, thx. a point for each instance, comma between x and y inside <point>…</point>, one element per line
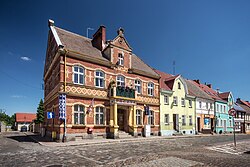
<point>190,103</point>
<point>224,109</point>
<point>99,116</point>
<point>211,106</point>
<point>138,86</point>
<point>120,80</point>
<point>151,118</point>
<point>99,79</point>
<point>138,117</point>
<point>200,104</point>
<point>190,120</point>
<point>230,123</point>
<point>179,85</point>
<point>207,106</point>
<point>120,59</point>
<point>150,89</point>
<point>175,101</point>
<point>183,102</point>
<point>221,122</point>
<point>166,100</point>
<point>217,108</point>
<point>79,115</point>
<point>183,120</point>
<point>166,118</point>
<point>78,76</point>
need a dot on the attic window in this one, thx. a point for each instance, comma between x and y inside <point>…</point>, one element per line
<point>120,59</point>
<point>179,85</point>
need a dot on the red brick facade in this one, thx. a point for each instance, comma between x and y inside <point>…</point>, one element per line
<point>117,110</point>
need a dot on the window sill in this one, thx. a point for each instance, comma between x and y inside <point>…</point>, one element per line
<point>166,123</point>
<point>166,103</point>
<point>99,126</point>
<point>78,126</point>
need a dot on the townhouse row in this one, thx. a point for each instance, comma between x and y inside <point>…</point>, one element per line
<point>110,91</point>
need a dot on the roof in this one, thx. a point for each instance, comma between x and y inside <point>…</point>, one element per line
<point>138,64</point>
<point>197,91</point>
<point>25,117</point>
<point>212,93</point>
<point>246,108</point>
<point>80,44</point>
<point>237,107</point>
<point>224,95</point>
<point>166,80</point>
<point>245,102</point>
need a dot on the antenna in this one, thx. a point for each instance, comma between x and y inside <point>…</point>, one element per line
<point>174,67</point>
<point>88,31</point>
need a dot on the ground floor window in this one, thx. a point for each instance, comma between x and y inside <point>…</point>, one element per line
<point>99,116</point>
<point>166,118</point>
<point>79,115</point>
<point>183,120</point>
<point>151,118</point>
<point>138,117</point>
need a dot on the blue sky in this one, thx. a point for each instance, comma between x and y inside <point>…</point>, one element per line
<point>208,40</point>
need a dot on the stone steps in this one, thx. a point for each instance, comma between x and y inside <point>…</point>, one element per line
<point>124,135</point>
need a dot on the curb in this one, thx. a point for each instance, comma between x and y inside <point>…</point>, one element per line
<point>110,141</point>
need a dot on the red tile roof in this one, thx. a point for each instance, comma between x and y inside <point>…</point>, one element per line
<point>166,80</point>
<point>245,102</point>
<point>224,95</point>
<point>212,93</point>
<point>25,117</point>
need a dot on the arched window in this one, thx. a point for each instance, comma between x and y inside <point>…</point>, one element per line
<point>179,85</point>
<point>79,115</point>
<point>120,80</point>
<point>99,116</point>
<point>78,75</point>
<point>138,86</point>
<point>120,59</point>
<point>99,79</point>
<point>150,89</point>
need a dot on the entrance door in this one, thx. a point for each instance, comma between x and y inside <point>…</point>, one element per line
<point>225,125</point>
<point>176,122</point>
<point>199,124</point>
<point>120,118</point>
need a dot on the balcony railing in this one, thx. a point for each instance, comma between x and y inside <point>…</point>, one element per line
<point>123,92</point>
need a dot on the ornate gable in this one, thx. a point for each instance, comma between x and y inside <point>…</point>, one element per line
<point>120,41</point>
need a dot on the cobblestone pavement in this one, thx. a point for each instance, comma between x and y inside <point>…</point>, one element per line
<point>17,149</point>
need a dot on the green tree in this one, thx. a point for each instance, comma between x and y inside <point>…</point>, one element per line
<point>40,113</point>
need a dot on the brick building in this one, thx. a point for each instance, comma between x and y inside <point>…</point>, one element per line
<point>107,86</point>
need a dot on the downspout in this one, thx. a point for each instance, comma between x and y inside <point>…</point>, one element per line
<point>65,62</point>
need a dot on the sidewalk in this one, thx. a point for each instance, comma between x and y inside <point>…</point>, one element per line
<point>47,142</point>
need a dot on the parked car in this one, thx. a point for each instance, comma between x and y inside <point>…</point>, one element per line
<point>24,129</point>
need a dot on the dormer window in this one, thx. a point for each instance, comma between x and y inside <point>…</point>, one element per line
<point>120,59</point>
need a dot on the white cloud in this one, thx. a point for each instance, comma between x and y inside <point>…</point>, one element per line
<point>17,96</point>
<point>25,58</point>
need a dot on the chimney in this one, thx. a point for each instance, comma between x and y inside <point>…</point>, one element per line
<point>209,85</point>
<point>99,38</point>
<point>197,81</point>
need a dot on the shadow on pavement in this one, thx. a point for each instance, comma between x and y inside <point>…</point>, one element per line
<point>23,138</point>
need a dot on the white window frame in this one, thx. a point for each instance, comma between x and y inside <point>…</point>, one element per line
<point>120,59</point>
<point>166,100</point>
<point>138,117</point>
<point>190,103</point>
<point>151,89</point>
<point>183,102</point>
<point>166,119</point>
<point>100,114</point>
<point>79,75</point>
<point>151,118</point>
<point>175,100</point>
<point>179,85</point>
<point>138,86</point>
<point>120,80</point>
<point>99,78</point>
<point>183,120</point>
<point>79,112</point>
<point>190,120</point>
<point>200,104</point>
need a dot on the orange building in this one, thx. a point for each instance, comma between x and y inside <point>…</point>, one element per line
<point>107,86</point>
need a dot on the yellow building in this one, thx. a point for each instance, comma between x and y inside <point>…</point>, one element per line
<point>177,106</point>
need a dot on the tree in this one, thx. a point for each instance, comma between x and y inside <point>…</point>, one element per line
<point>40,113</point>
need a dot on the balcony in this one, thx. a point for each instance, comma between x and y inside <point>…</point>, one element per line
<point>124,92</point>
